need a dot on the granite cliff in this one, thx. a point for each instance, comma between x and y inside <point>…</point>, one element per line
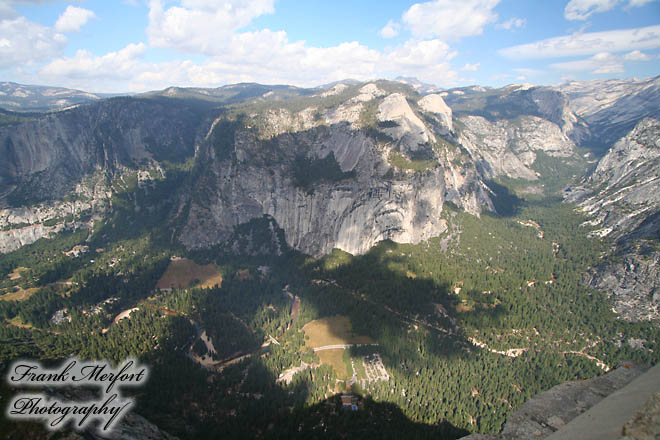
<point>356,195</point>
<point>622,196</point>
<point>611,108</point>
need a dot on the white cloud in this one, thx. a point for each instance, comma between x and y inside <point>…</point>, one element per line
<point>512,23</point>
<point>234,55</point>
<point>636,55</point>
<point>582,9</point>
<point>449,19</point>
<point>420,53</point>
<point>587,44</point>
<point>201,26</point>
<point>470,67</point>
<point>6,11</point>
<point>638,3</point>
<point>601,63</point>
<point>204,27</point>
<point>122,64</point>
<point>390,30</point>
<point>427,60</point>
<point>263,56</point>
<point>73,18</point>
<point>25,42</point>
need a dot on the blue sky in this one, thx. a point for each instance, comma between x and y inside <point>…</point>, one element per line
<point>138,45</point>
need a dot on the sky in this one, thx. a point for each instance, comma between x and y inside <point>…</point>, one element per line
<point>139,45</point>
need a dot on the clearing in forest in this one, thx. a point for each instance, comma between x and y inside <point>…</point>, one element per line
<point>16,273</point>
<point>335,358</point>
<point>184,273</point>
<point>17,322</point>
<point>20,294</point>
<point>334,330</point>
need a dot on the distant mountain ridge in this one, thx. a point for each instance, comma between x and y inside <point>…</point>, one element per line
<point>31,98</point>
<point>610,108</point>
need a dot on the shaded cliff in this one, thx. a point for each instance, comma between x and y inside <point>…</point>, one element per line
<point>47,156</point>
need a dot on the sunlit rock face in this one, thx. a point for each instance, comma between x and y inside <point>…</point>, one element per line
<point>622,197</point>
<point>611,108</point>
<point>509,147</point>
<point>373,202</point>
<point>435,105</point>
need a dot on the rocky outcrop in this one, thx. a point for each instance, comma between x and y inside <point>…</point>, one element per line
<point>405,126</point>
<point>645,425</point>
<point>436,105</point>
<point>622,197</point>
<point>26,224</point>
<point>545,413</point>
<point>16,238</point>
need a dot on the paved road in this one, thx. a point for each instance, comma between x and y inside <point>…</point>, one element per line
<point>334,347</point>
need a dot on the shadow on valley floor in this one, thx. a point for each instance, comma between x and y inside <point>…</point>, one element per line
<point>373,420</point>
<point>506,203</point>
<point>408,317</point>
<point>263,409</point>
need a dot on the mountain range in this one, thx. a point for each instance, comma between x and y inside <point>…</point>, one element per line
<point>329,179</point>
<point>341,167</point>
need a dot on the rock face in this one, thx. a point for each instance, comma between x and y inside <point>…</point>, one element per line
<point>25,225</point>
<point>134,427</point>
<point>612,108</point>
<point>622,196</point>
<point>246,167</point>
<point>249,174</point>
<point>406,127</point>
<point>545,413</point>
<point>46,157</point>
<point>352,211</point>
<point>516,100</point>
<point>435,104</point>
<point>507,148</point>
